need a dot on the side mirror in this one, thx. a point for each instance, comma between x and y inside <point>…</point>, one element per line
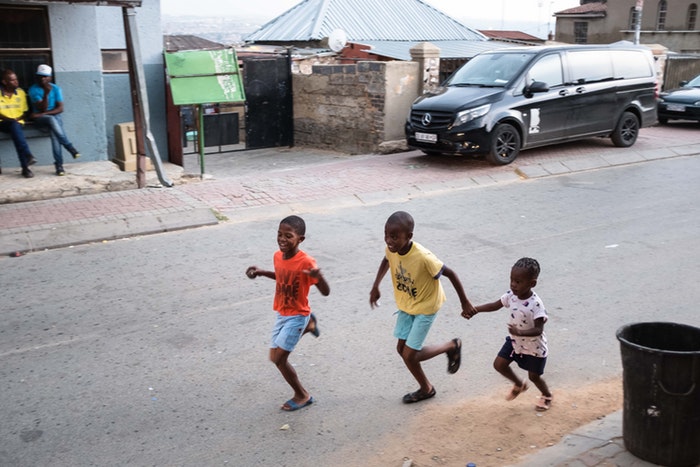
<point>535,87</point>
<point>682,83</point>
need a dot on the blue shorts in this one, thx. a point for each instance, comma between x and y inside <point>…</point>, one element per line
<point>287,331</point>
<point>413,328</point>
<point>526,362</point>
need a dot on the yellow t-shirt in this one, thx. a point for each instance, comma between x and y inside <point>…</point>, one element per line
<point>14,106</point>
<point>416,280</point>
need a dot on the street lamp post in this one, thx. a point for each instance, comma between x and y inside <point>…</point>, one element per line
<point>638,20</point>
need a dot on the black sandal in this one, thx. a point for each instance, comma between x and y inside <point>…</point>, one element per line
<point>418,396</point>
<point>454,357</point>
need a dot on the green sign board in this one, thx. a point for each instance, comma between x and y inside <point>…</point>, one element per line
<point>204,76</point>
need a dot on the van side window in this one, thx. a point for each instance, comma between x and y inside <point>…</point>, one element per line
<point>548,70</point>
<point>629,64</point>
<point>589,66</point>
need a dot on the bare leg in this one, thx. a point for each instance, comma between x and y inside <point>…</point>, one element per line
<point>412,359</point>
<point>540,383</point>
<point>280,357</point>
<point>502,366</point>
<point>312,326</point>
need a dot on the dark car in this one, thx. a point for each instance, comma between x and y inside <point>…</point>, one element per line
<point>682,103</point>
<point>506,100</point>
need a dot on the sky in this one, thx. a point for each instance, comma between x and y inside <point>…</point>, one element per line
<point>531,16</point>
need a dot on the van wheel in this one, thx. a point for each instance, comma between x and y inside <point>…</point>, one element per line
<point>625,133</point>
<point>505,145</point>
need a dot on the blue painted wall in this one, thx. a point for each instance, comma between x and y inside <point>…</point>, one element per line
<point>94,101</point>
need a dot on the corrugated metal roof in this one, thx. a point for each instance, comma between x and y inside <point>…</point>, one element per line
<point>365,20</point>
<point>400,50</point>
<point>175,42</point>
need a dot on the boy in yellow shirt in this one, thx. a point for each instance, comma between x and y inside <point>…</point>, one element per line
<point>415,275</point>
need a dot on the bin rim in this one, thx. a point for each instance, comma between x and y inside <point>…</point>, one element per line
<point>644,348</point>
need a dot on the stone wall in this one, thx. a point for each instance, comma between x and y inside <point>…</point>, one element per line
<point>353,108</point>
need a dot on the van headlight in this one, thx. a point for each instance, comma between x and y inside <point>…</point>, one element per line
<point>470,114</point>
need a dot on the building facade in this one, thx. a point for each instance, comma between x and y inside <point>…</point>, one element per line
<point>85,43</point>
<point>673,24</point>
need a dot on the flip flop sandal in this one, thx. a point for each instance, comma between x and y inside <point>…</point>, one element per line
<point>544,403</point>
<point>454,357</point>
<point>516,391</point>
<point>291,406</point>
<point>315,332</point>
<point>418,396</point>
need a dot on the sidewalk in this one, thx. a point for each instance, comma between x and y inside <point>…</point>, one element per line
<point>598,444</point>
<point>264,183</point>
<point>44,212</point>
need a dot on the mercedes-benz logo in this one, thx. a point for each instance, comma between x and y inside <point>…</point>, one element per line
<point>427,118</point>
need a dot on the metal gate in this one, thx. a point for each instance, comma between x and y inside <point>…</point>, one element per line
<point>680,68</point>
<point>269,113</point>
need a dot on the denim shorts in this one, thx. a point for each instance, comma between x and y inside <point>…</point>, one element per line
<point>287,331</point>
<point>413,328</point>
<point>526,362</point>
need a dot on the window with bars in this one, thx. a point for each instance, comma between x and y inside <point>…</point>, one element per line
<point>661,16</point>
<point>581,32</point>
<point>25,41</point>
<point>692,16</point>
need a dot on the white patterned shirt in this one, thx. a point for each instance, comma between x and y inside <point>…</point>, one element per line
<point>523,314</point>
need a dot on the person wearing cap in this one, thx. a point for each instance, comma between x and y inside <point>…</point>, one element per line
<point>46,99</point>
<point>13,109</point>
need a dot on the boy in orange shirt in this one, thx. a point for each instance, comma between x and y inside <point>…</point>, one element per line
<point>294,273</point>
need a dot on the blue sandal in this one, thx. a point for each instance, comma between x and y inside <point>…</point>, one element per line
<point>291,406</point>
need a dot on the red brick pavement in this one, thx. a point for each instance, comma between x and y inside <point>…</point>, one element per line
<point>319,178</point>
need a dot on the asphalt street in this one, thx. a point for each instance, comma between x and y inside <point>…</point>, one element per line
<point>152,350</point>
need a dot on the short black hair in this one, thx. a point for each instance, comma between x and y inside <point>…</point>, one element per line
<point>296,223</point>
<point>402,218</point>
<point>530,265</point>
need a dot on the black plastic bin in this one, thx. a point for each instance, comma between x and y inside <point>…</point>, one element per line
<point>661,389</point>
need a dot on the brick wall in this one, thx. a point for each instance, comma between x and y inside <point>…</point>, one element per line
<point>353,108</point>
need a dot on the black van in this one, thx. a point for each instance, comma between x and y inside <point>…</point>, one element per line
<point>518,98</point>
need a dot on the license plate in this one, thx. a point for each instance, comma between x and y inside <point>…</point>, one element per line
<point>426,137</point>
<point>675,107</point>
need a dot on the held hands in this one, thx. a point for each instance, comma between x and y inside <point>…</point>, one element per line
<point>469,311</point>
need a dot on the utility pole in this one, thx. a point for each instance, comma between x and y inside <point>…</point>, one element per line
<point>638,20</point>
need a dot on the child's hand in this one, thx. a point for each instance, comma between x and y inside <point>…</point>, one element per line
<point>252,272</point>
<point>374,298</point>
<point>314,272</point>
<point>513,329</point>
<point>468,313</point>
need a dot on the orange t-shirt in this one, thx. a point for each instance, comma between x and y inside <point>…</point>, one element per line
<point>292,285</point>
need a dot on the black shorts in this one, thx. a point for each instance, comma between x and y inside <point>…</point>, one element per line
<point>526,362</point>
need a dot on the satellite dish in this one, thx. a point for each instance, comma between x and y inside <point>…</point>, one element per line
<point>337,40</point>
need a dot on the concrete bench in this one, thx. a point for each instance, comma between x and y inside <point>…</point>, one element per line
<point>30,131</point>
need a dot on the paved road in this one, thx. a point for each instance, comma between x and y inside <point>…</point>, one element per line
<point>150,351</point>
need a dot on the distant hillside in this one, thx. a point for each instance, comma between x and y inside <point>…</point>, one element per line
<point>225,30</point>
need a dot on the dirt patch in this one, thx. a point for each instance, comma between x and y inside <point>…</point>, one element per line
<point>492,432</point>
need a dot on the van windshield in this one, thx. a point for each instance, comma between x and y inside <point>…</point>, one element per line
<point>490,69</point>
